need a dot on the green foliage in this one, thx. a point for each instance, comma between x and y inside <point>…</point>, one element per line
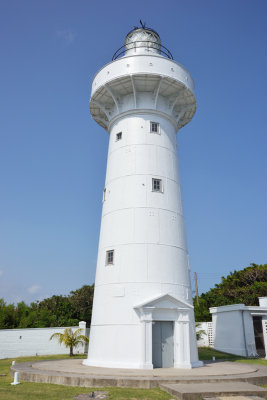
<point>54,311</point>
<point>244,286</point>
<point>201,310</point>
<point>82,303</point>
<point>7,315</point>
<point>70,339</point>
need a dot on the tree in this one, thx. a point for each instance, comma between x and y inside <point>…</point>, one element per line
<point>244,286</point>
<point>56,311</point>
<point>7,315</point>
<point>202,312</point>
<point>82,303</point>
<point>70,339</point>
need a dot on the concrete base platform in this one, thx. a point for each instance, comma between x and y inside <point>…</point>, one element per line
<point>210,369</point>
<point>74,373</point>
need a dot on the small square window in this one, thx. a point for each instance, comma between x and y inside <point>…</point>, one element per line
<point>110,257</point>
<point>118,136</point>
<point>104,194</point>
<point>154,127</point>
<point>157,185</point>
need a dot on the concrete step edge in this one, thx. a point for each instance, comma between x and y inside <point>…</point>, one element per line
<point>252,390</point>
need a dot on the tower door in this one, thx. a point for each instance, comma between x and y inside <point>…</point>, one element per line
<point>162,344</point>
<point>258,332</point>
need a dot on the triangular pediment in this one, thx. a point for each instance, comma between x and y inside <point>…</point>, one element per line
<point>164,301</point>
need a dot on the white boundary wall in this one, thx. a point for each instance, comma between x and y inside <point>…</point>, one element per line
<point>207,337</point>
<point>35,341</point>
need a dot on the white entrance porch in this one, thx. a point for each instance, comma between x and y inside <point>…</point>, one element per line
<point>169,308</point>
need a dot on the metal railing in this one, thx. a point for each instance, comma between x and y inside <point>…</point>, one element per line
<point>142,44</point>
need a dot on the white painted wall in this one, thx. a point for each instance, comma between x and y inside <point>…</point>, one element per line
<point>146,231</point>
<point>263,301</point>
<point>229,333</point>
<point>34,341</point>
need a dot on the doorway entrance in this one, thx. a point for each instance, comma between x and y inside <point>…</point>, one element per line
<point>258,332</point>
<point>162,344</point>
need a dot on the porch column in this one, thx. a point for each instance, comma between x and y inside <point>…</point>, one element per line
<point>146,324</point>
<point>181,345</point>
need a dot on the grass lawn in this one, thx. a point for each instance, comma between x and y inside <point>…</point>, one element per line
<point>45,391</point>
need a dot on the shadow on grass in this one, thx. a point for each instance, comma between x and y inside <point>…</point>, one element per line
<point>206,354</point>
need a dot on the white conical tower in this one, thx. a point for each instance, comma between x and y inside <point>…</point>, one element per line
<point>142,312</point>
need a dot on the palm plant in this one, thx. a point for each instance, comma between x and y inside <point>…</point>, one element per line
<point>70,339</point>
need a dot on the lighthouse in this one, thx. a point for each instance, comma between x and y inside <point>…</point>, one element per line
<point>143,316</point>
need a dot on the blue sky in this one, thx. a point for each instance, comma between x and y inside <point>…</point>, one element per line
<point>53,155</point>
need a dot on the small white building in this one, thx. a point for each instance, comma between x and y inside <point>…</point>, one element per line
<point>240,329</point>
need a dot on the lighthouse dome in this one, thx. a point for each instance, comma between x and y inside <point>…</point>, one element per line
<point>142,40</point>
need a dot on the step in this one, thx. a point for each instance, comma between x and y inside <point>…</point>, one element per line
<point>197,391</point>
<point>233,398</point>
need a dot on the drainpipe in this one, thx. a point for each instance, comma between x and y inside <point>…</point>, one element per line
<point>244,333</point>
